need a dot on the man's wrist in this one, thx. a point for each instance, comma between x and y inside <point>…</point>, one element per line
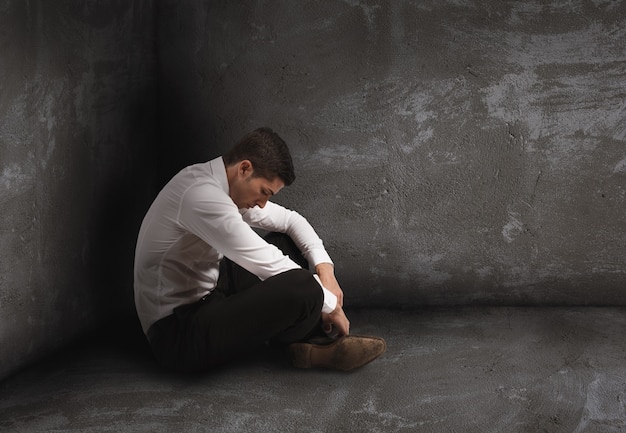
<point>325,268</point>
<point>326,272</point>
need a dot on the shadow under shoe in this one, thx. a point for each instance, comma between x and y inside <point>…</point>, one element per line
<point>345,353</point>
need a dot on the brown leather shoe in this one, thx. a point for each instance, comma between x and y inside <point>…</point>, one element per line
<point>346,353</point>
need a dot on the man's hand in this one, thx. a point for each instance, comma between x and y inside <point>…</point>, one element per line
<point>338,320</point>
<point>326,272</point>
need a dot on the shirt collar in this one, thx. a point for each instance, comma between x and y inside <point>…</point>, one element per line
<point>218,170</point>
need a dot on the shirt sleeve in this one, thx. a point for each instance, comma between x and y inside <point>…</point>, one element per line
<point>330,300</point>
<point>215,219</point>
<point>274,217</point>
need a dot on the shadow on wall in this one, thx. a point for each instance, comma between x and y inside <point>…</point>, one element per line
<point>191,123</point>
<point>123,198</point>
<point>185,133</point>
<point>78,166</point>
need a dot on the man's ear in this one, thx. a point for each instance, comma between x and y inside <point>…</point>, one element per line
<point>245,168</point>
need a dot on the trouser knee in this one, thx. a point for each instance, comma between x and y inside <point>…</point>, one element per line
<point>303,299</point>
<point>303,289</point>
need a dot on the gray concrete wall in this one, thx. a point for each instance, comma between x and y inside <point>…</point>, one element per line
<point>448,152</point>
<point>77,133</point>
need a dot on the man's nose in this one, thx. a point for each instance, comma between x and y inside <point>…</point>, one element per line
<point>261,203</point>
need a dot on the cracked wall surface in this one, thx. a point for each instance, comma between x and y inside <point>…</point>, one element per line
<point>77,122</point>
<point>447,152</point>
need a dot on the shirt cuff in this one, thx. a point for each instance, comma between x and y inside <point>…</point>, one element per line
<point>330,300</point>
<point>315,257</point>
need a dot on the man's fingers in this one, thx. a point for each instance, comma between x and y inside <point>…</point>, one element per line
<point>338,320</point>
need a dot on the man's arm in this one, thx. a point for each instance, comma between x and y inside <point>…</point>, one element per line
<point>337,318</point>
<point>277,218</point>
<point>216,220</point>
<point>274,217</point>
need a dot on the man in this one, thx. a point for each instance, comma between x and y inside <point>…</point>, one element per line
<point>208,288</point>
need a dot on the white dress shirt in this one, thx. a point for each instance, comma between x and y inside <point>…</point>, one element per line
<point>192,224</point>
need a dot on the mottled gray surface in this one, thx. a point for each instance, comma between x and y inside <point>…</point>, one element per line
<point>447,151</point>
<point>466,370</point>
<point>77,127</point>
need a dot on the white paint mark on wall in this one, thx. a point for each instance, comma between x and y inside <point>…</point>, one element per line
<point>442,157</point>
<point>14,180</point>
<point>510,100</point>
<point>367,156</point>
<point>603,405</point>
<point>620,167</point>
<point>562,104</point>
<point>513,227</point>
<point>422,136</point>
<point>512,393</point>
<point>415,105</point>
<point>425,108</point>
<point>576,47</point>
<point>485,272</point>
<point>10,175</point>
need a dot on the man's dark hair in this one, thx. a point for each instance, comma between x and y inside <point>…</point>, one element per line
<point>267,152</point>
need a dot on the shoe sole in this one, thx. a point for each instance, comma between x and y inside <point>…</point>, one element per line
<point>345,354</point>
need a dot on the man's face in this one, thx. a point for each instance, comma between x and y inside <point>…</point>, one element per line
<point>248,191</point>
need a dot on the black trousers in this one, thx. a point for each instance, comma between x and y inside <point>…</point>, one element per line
<point>240,314</point>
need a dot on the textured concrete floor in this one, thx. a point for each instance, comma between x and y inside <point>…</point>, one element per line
<point>463,370</point>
